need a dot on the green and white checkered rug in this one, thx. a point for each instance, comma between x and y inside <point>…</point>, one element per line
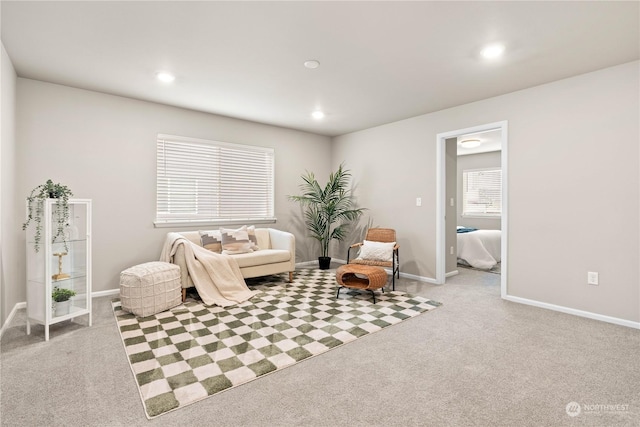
<point>193,351</point>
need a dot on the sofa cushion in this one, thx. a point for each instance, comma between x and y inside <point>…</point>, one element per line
<point>253,239</point>
<point>261,257</point>
<point>263,237</point>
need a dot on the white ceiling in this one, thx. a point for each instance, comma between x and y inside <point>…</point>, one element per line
<point>380,61</point>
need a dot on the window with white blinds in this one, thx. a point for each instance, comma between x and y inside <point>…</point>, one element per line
<point>201,181</point>
<point>482,192</point>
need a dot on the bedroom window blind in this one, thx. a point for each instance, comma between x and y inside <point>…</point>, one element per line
<point>482,192</point>
<point>209,182</point>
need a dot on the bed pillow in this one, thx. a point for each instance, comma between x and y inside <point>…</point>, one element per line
<point>376,251</point>
<point>235,241</point>
<point>211,240</point>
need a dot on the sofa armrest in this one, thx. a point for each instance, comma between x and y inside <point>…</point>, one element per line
<point>179,259</point>
<point>286,241</point>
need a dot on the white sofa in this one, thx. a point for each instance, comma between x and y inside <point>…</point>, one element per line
<point>277,254</point>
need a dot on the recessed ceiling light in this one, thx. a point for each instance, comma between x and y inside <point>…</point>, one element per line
<point>165,77</point>
<point>470,143</point>
<point>492,51</point>
<point>312,63</point>
<point>317,115</point>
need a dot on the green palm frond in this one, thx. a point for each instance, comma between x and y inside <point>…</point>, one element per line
<point>327,207</point>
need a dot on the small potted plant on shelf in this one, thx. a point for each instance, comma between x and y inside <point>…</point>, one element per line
<point>36,199</point>
<point>62,300</point>
<point>327,210</point>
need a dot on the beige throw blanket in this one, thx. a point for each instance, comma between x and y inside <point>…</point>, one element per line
<point>217,277</point>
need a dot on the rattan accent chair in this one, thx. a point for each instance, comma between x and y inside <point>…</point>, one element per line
<point>385,235</point>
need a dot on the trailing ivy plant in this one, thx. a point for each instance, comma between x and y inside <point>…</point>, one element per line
<point>36,199</point>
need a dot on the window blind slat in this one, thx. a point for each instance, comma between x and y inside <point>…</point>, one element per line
<point>482,192</point>
<point>201,180</point>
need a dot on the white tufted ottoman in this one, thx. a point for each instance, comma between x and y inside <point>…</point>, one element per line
<point>150,288</point>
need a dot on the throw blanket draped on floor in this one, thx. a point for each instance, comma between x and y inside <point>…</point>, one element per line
<point>217,277</point>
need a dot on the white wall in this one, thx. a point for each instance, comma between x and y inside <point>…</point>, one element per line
<point>9,234</point>
<point>582,133</point>
<point>573,187</point>
<point>103,148</point>
<point>451,181</point>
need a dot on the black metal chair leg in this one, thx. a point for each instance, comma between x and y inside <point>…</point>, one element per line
<point>397,266</point>
<point>338,293</point>
<point>373,295</point>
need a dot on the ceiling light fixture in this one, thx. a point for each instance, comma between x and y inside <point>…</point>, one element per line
<point>492,51</point>
<point>470,143</point>
<point>317,115</point>
<point>312,63</point>
<point>165,77</point>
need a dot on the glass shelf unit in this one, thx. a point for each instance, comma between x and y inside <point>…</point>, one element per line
<point>63,263</point>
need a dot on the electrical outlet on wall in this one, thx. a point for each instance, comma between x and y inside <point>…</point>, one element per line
<point>592,278</point>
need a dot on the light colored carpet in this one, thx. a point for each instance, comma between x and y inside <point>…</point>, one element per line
<point>193,351</point>
<point>476,361</point>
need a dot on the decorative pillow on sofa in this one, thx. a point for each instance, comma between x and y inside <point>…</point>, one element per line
<point>211,240</point>
<point>251,231</point>
<point>376,251</point>
<point>235,241</point>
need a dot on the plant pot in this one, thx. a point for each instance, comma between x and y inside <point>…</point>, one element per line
<point>324,262</point>
<point>61,308</point>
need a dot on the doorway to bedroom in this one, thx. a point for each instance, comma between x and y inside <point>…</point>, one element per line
<point>472,201</point>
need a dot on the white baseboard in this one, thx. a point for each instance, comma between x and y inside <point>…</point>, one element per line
<point>575,312</point>
<point>419,278</point>
<point>519,300</point>
<point>23,304</point>
<point>306,264</point>
<point>16,307</point>
<point>97,294</point>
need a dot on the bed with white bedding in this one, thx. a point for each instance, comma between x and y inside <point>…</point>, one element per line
<point>479,248</point>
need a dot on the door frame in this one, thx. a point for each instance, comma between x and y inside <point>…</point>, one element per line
<point>441,242</point>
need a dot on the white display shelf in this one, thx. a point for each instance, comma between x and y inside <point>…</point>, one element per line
<point>75,265</point>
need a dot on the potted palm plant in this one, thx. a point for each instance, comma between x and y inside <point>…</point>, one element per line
<point>327,211</point>
<point>36,199</point>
